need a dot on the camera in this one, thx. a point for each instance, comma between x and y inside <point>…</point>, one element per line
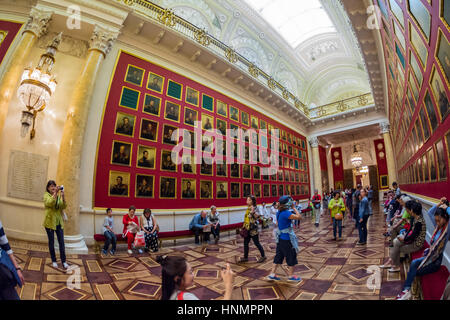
<point>61,188</point>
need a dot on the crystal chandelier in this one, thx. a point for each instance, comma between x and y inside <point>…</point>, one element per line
<point>37,86</point>
<point>356,158</point>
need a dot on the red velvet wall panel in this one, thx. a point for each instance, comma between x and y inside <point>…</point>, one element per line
<point>136,95</point>
<point>416,38</point>
<point>380,152</point>
<point>8,31</point>
<point>338,167</point>
<point>323,158</point>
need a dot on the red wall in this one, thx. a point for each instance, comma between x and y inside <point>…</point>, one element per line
<point>338,166</point>
<point>12,28</point>
<point>381,157</point>
<point>414,150</point>
<point>107,137</point>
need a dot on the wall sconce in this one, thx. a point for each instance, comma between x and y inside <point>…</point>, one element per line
<point>36,87</point>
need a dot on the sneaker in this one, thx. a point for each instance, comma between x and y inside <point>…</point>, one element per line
<point>65,265</point>
<point>273,278</point>
<point>261,260</point>
<point>140,251</point>
<point>404,295</point>
<point>130,252</point>
<point>104,252</point>
<point>54,265</point>
<point>394,270</point>
<point>317,225</point>
<point>243,260</point>
<point>112,252</point>
<point>295,279</point>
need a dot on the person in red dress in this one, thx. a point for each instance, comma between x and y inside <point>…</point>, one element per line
<point>130,227</point>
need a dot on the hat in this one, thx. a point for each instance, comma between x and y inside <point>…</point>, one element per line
<point>284,200</point>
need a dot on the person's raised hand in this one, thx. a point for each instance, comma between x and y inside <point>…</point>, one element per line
<point>228,276</point>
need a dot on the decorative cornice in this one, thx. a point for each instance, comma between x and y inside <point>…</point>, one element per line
<point>38,22</point>
<point>314,142</point>
<point>102,39</point>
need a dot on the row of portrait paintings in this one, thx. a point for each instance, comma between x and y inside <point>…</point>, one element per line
<point>119,183</point>
<point>146,158</point>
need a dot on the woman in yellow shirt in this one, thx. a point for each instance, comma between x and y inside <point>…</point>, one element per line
<point>55,203</point>
<point>336,205</point>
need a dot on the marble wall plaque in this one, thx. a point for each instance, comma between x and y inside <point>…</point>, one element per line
<point>27,175</point>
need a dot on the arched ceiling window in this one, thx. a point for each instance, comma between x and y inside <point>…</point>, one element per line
<point>296,21</point>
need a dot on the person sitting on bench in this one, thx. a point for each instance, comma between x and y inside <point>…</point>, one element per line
<point>200,224</point>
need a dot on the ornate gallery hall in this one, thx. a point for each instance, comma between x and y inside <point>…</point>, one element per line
<point>314,134</point>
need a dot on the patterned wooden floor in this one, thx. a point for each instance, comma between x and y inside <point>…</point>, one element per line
<point>330,270</point>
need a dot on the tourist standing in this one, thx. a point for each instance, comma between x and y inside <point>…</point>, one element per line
<point>363,217</point>
<point>370,198</point>
<point>336,205</point>
<point>316,200</point>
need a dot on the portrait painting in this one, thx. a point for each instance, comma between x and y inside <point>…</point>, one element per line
<point>256,173</point>
<point>234,170</point>
<point>266,190</point>
<point>190,116</point>
<point>246,174</point>
<point>155,82</point>
<point>255,155</point>
<point>146,157</point>
<point>443,55</point>
<point>172,111</point>
<point>421,15</point>
<point>257,190</point>
<point>192,96</point>
<point>125,124</point>
<point>425,126</point>
<point>429,105</point>
<point>166,161</point>
<point>273,191</point>
<point>247,190</point>
<point>418,44</point>
<point>170,135</point>
<point>207,102</point>
<point>413,86</point>
<point>254,138</point>
<point>152,105</point>
<point>206,191</point>
<point>254,123</point>
<point>188,164</point>
<point>188,188</point>
<point>416,68</point>
<point>144,186</point>
<point>119,184</point>
<point>234,114</point>
<point>221,170</point>
<point>442,158</point>
<point>432,164</point>
<point>245,118</point>
<point>235,190</point>
<point>134,75</point>
<point>221,148</point>
<point>222,108</point>
<point>286,176</point>
<point>206,167</point>
<point>168,188</point>
<point>121,153</point>
<point>263,125</point>
<point>425,168</point>
<point>221,126</point>
<point>447,138</point>
<point>234,131</point>
<point>189,139</point>
<point>207,143</point>
<point>222,190</point>
<point>149,130</point>
<point>207,122</point>
<point>280,190</point>
<point>234,150</point>
<point>440,95</point>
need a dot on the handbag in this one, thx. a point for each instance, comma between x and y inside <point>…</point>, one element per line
<point>338,216</point>
<point>139,240</point>
<point>243,232</point>
<point>8,273</point>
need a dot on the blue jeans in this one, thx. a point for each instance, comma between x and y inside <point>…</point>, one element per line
<point>362,229</point>
<point>110,238</point>
<point>51,243</point>
<point>413,272</point>
<point>337,224</point>
<point>370,206</point>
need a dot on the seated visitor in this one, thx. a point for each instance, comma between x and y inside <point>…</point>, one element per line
<point>150,227</point>
<point>199,223</point>
<point>432,257</point>
<point>108,231</point>
<point>214,221</point>
<point>412,241</point>
<point>400,221</point>
<point>130,227</point>
<point>177,275</point>
<point>393,209</point>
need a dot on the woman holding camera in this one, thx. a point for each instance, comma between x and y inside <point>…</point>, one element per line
<point>55,203</point>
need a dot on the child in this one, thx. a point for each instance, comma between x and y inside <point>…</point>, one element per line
<point>109,233</point>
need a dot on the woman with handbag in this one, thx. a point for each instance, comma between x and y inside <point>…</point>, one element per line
<point>249,230</point>
<point>10,272</point>
<point>130,227</point>
<point>55,203</point>
<point>336,205</point>
<point>150,228</point>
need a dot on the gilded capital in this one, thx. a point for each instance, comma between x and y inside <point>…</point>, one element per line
<point>314,142</point>
<point>38,22</point>
<point>102,39</point>
<point>385,127</point>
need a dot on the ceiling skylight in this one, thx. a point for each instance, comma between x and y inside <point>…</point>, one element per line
<point>295,20</point>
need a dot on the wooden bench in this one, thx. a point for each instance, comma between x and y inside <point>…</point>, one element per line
<point>168,235</point>
<point>430,286</point>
